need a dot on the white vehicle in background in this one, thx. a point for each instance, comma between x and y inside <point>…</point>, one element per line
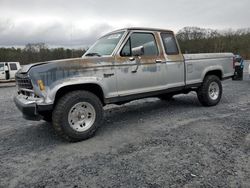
<point>8,70</point>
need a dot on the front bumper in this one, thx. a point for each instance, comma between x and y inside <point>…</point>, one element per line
<point>31,108</point>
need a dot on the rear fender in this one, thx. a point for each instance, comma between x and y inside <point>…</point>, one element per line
<point>211,69</point>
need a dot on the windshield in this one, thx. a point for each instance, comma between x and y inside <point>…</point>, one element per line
<point>105,45</point>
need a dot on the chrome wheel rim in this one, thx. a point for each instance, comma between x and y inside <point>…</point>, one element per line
<point>214,90</point>
<point>81,116</point>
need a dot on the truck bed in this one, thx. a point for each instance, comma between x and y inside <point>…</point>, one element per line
<point>197,65</point>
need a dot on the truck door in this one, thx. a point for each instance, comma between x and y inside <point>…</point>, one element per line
<point>175,67</point>
<point>139,74</point>
<point>2,72</point>
<point>13,70</point>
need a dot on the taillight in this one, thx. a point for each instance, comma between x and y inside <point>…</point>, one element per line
<point>234,61</point>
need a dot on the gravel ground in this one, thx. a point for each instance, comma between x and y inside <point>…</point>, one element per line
<point>146,143</point>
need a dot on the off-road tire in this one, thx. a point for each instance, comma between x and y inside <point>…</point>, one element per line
<point>203,91</point>
<point>62,109</point>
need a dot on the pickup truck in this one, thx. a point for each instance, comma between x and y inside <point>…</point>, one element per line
<point>122,66</point>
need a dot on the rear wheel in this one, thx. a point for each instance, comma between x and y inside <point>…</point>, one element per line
<point>77,115</point>
<point>210,92</point>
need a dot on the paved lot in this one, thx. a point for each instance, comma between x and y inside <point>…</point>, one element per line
<point>7,84</point>
<point>146,143</point>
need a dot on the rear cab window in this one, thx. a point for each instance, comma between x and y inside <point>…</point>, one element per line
<point>147,40</point>
<point>169,44</point>
<point>13,66</point>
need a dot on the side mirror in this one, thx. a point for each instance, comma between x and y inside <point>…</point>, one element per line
<point>138,51</point>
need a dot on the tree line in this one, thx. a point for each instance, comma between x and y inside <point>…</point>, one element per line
<point>37,52</point>
<point>191,40</point>
<point>199,40</point>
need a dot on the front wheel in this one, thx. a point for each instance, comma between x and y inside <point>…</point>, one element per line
<point>77,115</point>
<point>210,92</point>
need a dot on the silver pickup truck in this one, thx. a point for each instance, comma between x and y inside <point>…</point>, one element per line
<point>121,66</point>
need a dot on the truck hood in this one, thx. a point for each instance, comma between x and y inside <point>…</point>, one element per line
<point>26,68</point>
<point>70,63</point>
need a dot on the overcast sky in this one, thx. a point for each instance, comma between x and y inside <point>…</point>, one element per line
<point>80,22</point>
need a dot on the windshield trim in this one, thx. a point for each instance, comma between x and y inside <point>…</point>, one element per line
<point>115,49</point>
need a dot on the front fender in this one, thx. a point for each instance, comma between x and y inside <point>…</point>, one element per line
<point>56,86</point>
<point>58,74</point>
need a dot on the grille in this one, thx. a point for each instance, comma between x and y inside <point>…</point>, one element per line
<point>23,81</point>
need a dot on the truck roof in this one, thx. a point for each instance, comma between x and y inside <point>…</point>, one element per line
<point>141,28</point>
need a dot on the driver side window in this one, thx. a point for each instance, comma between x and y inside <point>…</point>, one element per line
<point>146,40</point>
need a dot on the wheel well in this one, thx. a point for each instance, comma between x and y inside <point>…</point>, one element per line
<point>215,72</point>
<point>93,88</point>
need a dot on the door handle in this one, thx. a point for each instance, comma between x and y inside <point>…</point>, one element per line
<point>108,75</point>
<point>158,61</point>
<point>131,59</point>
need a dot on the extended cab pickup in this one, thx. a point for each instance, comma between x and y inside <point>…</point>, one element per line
<point>121,66</point>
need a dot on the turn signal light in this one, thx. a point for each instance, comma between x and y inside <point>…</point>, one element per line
<point>41,85</point>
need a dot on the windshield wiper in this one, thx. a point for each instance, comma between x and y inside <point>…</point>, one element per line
<point>93,54</point>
